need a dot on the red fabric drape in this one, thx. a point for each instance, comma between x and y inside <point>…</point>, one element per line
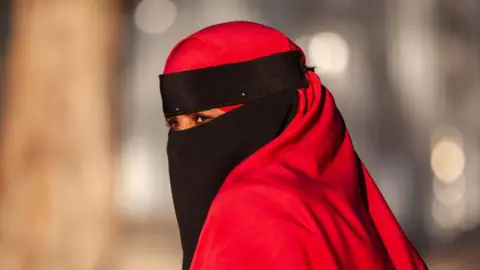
<point>298,202</point>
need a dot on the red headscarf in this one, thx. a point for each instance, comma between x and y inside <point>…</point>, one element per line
<point>303,201</point>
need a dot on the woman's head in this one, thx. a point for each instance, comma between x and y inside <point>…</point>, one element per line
<point>218,45</point>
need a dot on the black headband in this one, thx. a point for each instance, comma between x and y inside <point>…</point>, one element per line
<point>201,89</point>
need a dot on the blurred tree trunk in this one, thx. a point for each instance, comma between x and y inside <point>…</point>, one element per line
<point>56,148</point>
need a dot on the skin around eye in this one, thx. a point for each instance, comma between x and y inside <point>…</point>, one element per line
<point>182,122</point>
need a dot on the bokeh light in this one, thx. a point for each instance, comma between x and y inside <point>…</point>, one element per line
<point>449,217</point>
<point>448,159</point>
<point>451,193</point>
<point>155,16</point>
<point>329,52</point>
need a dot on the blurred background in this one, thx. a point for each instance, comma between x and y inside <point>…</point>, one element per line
<point>405,75</point>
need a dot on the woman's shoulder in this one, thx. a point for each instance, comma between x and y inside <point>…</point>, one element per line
<point>254,191</point>
<point>252,199</point>
<point>269,186</point>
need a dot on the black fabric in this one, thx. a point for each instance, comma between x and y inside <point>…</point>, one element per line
<point>201,89</point>
<point>200,158</point>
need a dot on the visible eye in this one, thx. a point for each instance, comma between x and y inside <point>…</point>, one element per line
<point>172,122</point>
<point>201,119</point>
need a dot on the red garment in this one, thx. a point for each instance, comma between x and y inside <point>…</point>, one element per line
<point>296,203</point>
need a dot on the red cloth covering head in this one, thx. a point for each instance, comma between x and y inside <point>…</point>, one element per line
<point>194,52</point>
<point>303,201</point>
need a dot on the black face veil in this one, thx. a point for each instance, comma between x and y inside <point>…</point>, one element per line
<point>201,158</point>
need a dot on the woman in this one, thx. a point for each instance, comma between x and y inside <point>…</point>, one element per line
<point>263,171</point>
